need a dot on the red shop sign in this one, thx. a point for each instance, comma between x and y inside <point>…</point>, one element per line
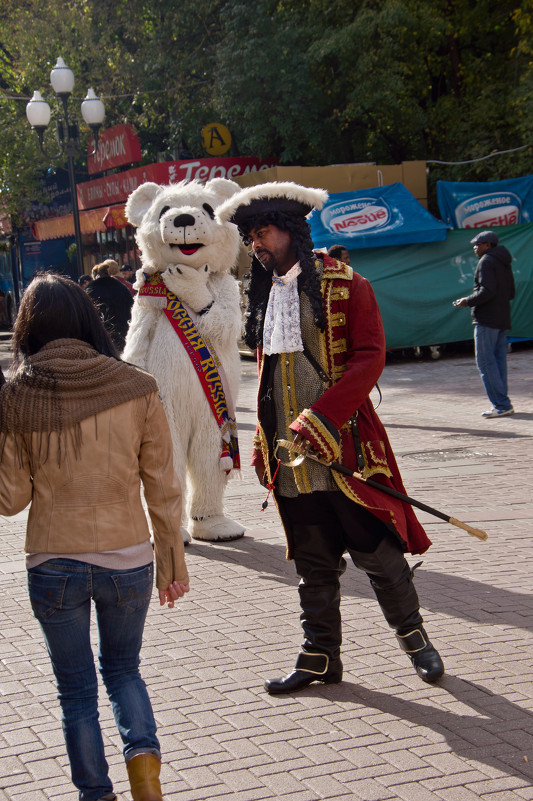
<point>116,188</point>
<point>117,146</point>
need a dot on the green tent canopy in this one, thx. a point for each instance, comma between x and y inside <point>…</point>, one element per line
<point>416,284</point>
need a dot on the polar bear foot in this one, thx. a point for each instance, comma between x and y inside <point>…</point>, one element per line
<point>216,528</point>
<point>185,535</point>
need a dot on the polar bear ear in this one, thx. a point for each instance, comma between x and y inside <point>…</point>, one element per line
<point>222,188</point>
<point>140,201</point>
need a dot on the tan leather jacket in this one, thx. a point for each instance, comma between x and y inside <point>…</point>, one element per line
<point>93,503</point>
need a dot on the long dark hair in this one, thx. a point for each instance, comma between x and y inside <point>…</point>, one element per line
<point>260,281</point>
<point>54,307</point>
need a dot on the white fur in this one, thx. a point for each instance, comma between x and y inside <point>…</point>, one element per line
<point>171,221</point>
<point>189,285</point>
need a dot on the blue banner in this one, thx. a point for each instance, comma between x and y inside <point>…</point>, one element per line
<point>56,198</point>
<point>377,217</point>
<point>486,204</point>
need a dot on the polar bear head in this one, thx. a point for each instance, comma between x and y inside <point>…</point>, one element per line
<point>176,225</point>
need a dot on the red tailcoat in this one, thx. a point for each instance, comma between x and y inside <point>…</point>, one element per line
<point>353,348</point>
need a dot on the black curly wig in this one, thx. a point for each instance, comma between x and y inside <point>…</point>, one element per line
<point>260,280</point>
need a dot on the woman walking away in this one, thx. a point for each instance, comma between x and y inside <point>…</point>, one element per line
<point>79,431</point>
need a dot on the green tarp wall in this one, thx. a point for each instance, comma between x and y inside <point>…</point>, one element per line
<point>416,284</point>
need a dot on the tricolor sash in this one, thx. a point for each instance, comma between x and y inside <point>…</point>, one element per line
<point>205,363</point>
<point>153,292</point>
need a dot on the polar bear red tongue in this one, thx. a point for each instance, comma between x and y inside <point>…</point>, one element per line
<point>188,250</point>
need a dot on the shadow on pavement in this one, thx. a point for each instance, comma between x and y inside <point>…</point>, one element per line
<point>266,558</point>
<point>442,593</point>
<point>471,432</point>
<point>499,733</point>
<point>473,600</point>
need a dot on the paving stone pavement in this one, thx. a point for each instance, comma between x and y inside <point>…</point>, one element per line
<point>380,735</point>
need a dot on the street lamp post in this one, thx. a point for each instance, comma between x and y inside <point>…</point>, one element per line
<point>93,112</point>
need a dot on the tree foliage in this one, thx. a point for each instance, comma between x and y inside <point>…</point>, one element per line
<point>151,62</point>
<point>304,81</point>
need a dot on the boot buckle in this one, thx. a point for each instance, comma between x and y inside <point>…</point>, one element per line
<point>312,663</point>
<point>413,641</point>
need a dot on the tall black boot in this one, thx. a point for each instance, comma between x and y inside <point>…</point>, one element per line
<point>392,581</point>
<point>424,656</point>
<point>319,659</point>
<point>320,567</point>
<point>309,668</point>
<point>321,616</point>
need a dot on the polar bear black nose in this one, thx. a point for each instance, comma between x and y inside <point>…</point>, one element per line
<point>182,220</point>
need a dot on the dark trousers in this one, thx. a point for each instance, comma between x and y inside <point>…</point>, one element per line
<point>321,527</point>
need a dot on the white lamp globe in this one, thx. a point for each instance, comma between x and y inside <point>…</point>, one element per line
<point>92,109</point>
<point>38,111</point>
<point>62,78</point>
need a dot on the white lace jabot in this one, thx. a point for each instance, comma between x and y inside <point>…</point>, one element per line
<point>281,332</point>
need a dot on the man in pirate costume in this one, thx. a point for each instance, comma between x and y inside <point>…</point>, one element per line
<point>321,348</point>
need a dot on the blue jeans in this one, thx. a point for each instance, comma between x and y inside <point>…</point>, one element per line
<point>60,593</point>
<point>491,359</point>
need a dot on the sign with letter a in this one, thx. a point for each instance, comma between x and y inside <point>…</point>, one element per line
<point>216,139</point>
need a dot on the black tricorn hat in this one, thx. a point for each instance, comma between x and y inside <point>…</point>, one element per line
<point>254,201</point>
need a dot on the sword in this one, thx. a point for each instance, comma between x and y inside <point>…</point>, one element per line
<point>340,468</point>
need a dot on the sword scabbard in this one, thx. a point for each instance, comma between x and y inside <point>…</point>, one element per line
<point>340,468</point>
<point>474,532</point>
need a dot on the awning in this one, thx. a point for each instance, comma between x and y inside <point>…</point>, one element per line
<point>90,222</point>
<point>116,217</point>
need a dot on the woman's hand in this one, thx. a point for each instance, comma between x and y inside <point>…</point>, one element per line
<point>172,593</point>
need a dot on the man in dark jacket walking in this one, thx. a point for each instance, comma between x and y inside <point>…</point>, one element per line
<point>491,314</point>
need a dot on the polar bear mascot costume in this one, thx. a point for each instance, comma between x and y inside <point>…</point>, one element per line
<point>185,324</point>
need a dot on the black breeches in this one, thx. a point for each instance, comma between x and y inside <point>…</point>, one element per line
<point>323,525</point>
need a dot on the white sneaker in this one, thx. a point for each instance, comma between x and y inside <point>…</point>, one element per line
<point>498,413</point>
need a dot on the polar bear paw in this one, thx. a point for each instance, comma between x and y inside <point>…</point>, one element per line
<point>216,528</point>
<point>186,537</point>
<point>189,285</point>
<point>140,279</point>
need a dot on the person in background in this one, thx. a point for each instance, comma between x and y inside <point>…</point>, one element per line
<point>114,271</point>
<point>79,431</point>
<point>127,273</point>
<point>83,280</point>
<point>491,315</point>
<point>113,300</point>
<point>127,278</point>
<point>321,350</point>
<point>339,252</point>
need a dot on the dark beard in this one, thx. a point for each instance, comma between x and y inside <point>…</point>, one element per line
<point>270,263</point>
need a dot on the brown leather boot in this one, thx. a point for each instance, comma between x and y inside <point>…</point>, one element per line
<point>143,773</point>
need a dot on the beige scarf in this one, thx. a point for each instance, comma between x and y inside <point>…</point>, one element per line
<point>62,384</point>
